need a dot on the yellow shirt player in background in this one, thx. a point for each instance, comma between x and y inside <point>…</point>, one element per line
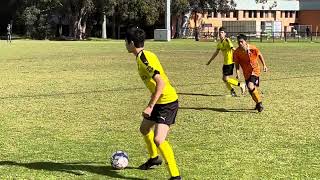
<point>225,45</point>
<point>162,108</point>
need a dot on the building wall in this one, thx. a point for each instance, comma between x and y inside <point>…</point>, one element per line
<point>216,19</point>
<point>288,12</point>
<point>310,17</point>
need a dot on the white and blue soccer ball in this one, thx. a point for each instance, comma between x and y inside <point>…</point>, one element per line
<point>119,160</point>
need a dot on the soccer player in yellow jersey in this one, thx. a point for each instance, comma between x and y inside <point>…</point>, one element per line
<point>226,46</point>
<point>161,111</point>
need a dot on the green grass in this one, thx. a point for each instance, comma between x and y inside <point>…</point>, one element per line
<point>66,106</point>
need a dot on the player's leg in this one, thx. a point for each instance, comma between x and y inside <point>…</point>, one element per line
<point>231,81</point>
<point>253,90</point>
<point>166,117</point>
<point>146,129</point>
<point>229,85</point>
<point>161,131</point>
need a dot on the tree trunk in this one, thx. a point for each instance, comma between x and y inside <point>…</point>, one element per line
<point>114,26</point>
<point>104,27</point>
<point>79,29</point>
<point>185,24</point>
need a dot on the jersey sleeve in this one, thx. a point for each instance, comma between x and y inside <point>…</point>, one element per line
<point>219,46</point>
<point>149,67</point>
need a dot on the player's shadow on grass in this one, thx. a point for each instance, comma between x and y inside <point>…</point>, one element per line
<point>219,109</point>
<point>200,94</point>
<point>75,168</point>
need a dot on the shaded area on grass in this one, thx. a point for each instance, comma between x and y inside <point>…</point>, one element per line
<point>219,109</point>
<point>75,168</point>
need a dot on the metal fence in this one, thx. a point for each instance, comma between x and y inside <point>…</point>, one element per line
<point>280,36</point>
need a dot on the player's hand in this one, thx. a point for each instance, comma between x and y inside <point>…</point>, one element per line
<point>265,69</point>
<point>147,112</point>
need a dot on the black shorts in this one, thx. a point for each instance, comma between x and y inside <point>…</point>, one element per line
<point>254,79</point>
<point>227,70</point>
<point>164,113</point>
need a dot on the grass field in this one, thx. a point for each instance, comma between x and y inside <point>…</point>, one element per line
<point>66,106</point>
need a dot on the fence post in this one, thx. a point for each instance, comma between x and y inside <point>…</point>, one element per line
<point>272,36</point>
<point>285,36</point>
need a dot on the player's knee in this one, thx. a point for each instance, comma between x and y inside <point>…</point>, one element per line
<point>144,131</point>
<point>158,140</point>
<point>225,78</point>
<point>251,86</point>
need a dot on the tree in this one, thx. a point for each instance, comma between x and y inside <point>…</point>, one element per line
<point>183,9</point>
<point>34,15</point>
<point>264,2</point>
<point>78,12</point>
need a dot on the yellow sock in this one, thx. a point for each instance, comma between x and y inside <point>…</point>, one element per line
<point>151,146</point>
<point>229,86</point>
<point>167,154</point>
<point>256,96</point>
<point>233,81</point>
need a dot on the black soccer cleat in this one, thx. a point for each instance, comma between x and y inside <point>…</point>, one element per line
<point>233,93</point>
<point>152,162</point>
<point>176,178</point>
<point>259,107</point>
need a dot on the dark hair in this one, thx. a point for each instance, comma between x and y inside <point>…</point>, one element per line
<point>242,36</point>
<point>222,29</point>
<point>136,35</point>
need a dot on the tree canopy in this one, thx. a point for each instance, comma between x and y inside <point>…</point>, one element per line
<point>40,18</point>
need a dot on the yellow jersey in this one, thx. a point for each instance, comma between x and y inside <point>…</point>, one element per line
<point>226,47</point>
<point>148,66</point>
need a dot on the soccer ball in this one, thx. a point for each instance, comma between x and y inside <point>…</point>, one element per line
<point>119,160</point>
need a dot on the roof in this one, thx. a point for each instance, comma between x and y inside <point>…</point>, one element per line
<point>282,5</point>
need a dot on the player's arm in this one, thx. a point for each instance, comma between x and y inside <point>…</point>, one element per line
<point>237,70</point>
<point>213,56</point>
<point>237,66</point>
<point>230,45</point>
<point>265,68</point>
<point>160,84</point>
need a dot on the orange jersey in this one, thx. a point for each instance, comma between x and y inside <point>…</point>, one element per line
<point>248,61</point>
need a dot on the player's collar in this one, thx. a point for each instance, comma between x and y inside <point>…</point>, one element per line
<point>139,52</point>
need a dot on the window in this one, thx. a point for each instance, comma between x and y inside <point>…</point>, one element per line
<point>261,14</point>
<point>286,14</point>
<point>209,15</point>
<point>297,14</point>
<point>255,14</point>
<point>215,14</point>
<point>250,14</point>
<point>291,14</point>
<point>228,14</point>
<point>235,14</point>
